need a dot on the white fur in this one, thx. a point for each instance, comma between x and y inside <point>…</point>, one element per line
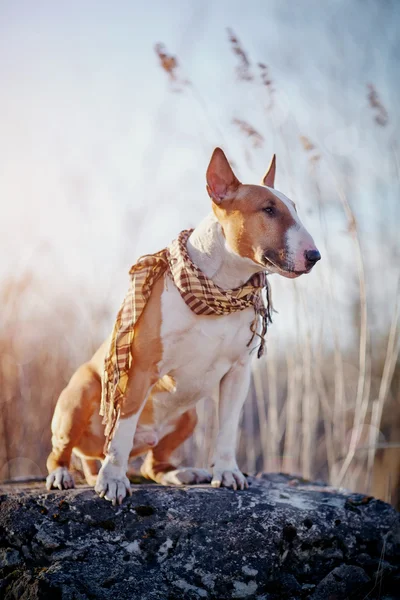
<point>60,478</point>
<point>287,202</point>
<point>186,476</point>
<point>112,482</point>
<point>298,240</point>
<point>209,250</point>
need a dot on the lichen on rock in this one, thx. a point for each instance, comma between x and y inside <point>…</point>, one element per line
<point>283,538</point>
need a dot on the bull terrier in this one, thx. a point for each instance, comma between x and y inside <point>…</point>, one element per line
<point>180,357</point>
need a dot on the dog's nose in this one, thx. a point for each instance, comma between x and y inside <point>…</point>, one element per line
<point>312,256</point>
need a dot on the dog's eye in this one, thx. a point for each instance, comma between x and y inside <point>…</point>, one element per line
<point>270,211</point>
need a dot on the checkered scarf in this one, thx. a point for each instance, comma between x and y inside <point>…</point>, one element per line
<point>201,295</point>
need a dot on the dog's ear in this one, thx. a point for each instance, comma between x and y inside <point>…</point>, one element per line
<point>222,183</point>
<point>269,177</point>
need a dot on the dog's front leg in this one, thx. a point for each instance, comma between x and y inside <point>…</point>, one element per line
<point>112,482</point>
<point>233,392</point>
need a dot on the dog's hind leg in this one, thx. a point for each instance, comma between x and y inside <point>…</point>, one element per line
<point>157,465</point>
<point>90,467</point>
<point>71,420</point>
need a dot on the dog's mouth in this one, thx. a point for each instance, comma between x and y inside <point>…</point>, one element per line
<point>285,271</point>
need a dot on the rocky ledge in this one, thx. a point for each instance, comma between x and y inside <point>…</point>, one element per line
<point>281,539</point>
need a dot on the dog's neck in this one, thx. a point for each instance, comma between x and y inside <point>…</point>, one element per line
<point>208,249</point>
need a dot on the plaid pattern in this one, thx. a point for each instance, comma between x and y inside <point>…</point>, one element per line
<point>198,291</point>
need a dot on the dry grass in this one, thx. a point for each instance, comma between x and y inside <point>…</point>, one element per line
<point>40,346</point>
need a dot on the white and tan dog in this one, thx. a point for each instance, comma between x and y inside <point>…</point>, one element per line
<point>179,357</point>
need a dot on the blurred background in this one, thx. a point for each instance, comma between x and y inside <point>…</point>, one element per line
<point>109,113</point>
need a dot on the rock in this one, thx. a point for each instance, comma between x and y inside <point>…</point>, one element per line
<point>9,558</point>
<point>342,582</point>
<point>284,538</point>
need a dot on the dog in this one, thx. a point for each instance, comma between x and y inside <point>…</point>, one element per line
<point>180,357</point>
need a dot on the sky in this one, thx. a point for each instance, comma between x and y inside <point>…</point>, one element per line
<point>102,160</point>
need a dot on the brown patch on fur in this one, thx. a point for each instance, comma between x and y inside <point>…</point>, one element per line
<point>165,384</point>
<point>147,352</point>
<point>147,414</point>
<point>157,461</point>
<point>72,415</point>
<point>90,469</point>
<point>249,230</point>
<point>90,445</point>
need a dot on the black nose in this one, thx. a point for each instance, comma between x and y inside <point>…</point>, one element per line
<point>312,256</point>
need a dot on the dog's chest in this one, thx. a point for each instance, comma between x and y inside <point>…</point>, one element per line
<point>199,350</point>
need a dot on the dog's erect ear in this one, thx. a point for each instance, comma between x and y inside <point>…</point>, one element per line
<point>222,183</point>
<point>269,177</point>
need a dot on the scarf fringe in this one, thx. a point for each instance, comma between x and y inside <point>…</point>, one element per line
<point>265,313</point>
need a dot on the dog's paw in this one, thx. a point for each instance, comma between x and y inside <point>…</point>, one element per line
<point>60,478</point>
<point>186,476</point>
<point>113,484</point>
<point>229,478</point>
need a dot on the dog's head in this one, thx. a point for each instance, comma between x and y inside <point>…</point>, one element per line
<point>259,222</point>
